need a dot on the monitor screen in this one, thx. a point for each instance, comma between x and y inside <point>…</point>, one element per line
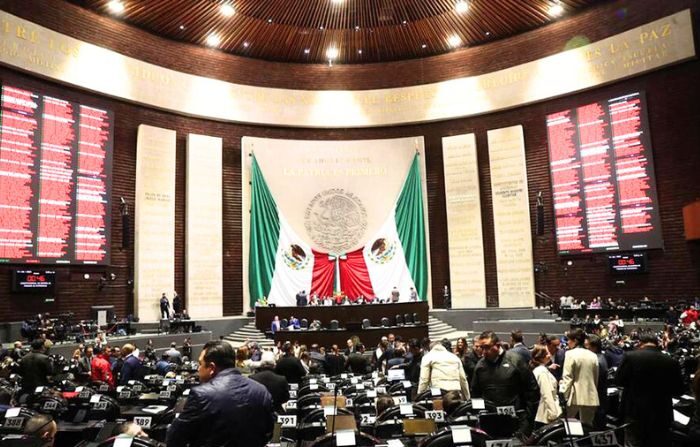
<point>396,374</point>
<point>55,180</point>
<point>34,281</point>
<point>628,263</point>
<point>603,183</point>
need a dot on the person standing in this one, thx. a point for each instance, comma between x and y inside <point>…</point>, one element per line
<point>595,345</point>
<point>517,346</point>
<point>413,295</point>
<point>164,307</point>
<point>226,410</point>
<point>395,294</point>
<point>503,380</point>
<point>276,384</point>
<point>35,367</point>
<point>548,410</point>
<point>650,379</point>
<point>177,304</point>
<point>580,378</point>
<point>131,368</point>
<point>440,368</point>
<point>100,369</point>
<point>290,366</point>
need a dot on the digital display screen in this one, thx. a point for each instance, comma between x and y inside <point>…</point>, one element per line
<point>55,180</point>
<point>33,281</point>
<point>603,183</point>
<point>628,263</point>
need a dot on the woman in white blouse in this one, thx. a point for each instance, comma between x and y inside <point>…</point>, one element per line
<point>548,410</point>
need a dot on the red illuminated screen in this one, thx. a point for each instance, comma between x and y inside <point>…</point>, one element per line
<point>603,180</point>
<point>55,167</point>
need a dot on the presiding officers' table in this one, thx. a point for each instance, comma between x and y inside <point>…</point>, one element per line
<point>344,314</point>
<point>370,337</point>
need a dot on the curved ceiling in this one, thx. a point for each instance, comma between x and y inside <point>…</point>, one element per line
<point>362,31</point>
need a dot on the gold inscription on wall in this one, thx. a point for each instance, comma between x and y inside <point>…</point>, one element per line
<point>465,239</point>
<point>511,217</point>
<point>47,53</point>
<point>154,244</point>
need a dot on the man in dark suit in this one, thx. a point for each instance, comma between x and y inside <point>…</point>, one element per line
<point>357,362</point>
<point>289,366</point>
<point>516,340</point>
<point>35,367</point>
<point>131,368</point>
<point>276,384</point>
<point>650,380</point>
<point>226,410</point>
<point>302,298</point>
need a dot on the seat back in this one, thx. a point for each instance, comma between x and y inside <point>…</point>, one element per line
<point>334,325</point>
<point>399,320</point>
<point>366,323</point>
<point>408,318</point>
<point>385,322</point>
<point>443,438</point>
<point>416,318</point>
<point>304,323</point>
<point>284,323</point>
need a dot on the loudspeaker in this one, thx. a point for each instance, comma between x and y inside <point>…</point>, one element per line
<point>540,215</point>
<point>126,231</point>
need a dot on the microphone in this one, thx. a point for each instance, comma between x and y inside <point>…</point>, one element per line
<point>335,408</point>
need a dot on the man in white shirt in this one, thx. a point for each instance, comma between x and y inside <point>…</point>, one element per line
<point>440,368</point>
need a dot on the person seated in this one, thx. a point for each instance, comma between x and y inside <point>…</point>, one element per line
<point>130,429</point>
<point>43,428</point>
<point>185,315</point>
<point>294,323</point>
<point>327,301</point>
<point>315,326</point>
<point>450,401</point>
<point>384,402</point>
<point>163,365</point>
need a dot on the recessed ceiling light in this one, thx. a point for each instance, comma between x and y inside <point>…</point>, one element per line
<point>337,2</point>
<point>454,41</point>
<point>269,20</point>
<point>226,9</point>
<point>488,33</point>
<point>213,40</point>
<point>116,6</point>
<point>357,27</point>
<point>321,27</point>
<point>404,22</point>
<point>359,51</point>
<point>307,50</point>
<point>182,27</point>
<point>556,9</point>
<point>246,44</point>
<point>424,46</point>
<point>332,53</point>
<point>461,6</point>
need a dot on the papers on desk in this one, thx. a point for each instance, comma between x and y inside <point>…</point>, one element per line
<point>345,438</point>
<point>461,434</point>
<point>680,417</point>
<point>573,427</point>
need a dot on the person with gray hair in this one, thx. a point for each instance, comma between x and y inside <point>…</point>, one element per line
<point>440,368</point>
<point>276,384</point>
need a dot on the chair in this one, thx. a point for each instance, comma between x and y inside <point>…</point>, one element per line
<point>304,323</point>
<point>366,323</point>
<point>554,433</point>
<point>334,325</point>
<point>399,320</point>
<point>394,412</point>
<point>385,322</point>
<point>444,439</point>
<point>303,391</point>
<point>499,426</point>
<point>408,318</point>
<point>284,324</point>
<point>416,318</point>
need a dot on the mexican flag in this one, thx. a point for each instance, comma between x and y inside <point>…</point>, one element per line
<point>396,255</point>
<point>281,264</point>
